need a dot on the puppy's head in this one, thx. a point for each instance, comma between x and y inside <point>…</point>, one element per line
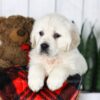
<point>54,34</point>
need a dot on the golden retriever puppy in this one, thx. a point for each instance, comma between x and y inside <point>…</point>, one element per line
<point>54,52</point>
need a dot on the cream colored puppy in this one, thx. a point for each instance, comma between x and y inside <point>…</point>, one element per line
<point>54,53</point>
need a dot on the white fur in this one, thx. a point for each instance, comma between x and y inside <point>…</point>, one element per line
<point>62,60</point>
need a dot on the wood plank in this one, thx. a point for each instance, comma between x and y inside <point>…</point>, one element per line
<point>72,9</point>
<point>92,10</point>
<point>39,8</point>
<point>0,7</point>
<point>15,7</point>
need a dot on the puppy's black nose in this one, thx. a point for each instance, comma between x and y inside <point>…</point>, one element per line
<point>44,46</point>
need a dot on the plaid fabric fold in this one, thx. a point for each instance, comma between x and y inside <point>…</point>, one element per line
<point>13,86</point>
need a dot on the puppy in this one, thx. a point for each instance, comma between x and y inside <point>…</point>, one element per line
<point>54,53</point>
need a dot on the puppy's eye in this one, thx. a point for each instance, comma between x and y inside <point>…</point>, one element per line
<point>41,33</point>
<point>56,35</point>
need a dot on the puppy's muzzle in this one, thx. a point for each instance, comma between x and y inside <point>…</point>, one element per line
<point>44,47</point>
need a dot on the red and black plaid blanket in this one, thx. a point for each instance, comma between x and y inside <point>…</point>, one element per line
<point>13,86</point>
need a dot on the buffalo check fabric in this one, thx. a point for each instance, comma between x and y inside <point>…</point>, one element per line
<point>13,86</point>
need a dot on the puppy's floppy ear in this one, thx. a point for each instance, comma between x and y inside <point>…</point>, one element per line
<point>75,37</point>
<point>32,39</point>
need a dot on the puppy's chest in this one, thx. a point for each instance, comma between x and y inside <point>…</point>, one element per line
<point>50,63</point>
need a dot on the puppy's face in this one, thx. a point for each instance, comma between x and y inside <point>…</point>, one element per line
<point>54,34</point>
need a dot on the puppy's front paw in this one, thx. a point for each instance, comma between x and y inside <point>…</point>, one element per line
<point>54,83</point>
<point>35,85</point>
